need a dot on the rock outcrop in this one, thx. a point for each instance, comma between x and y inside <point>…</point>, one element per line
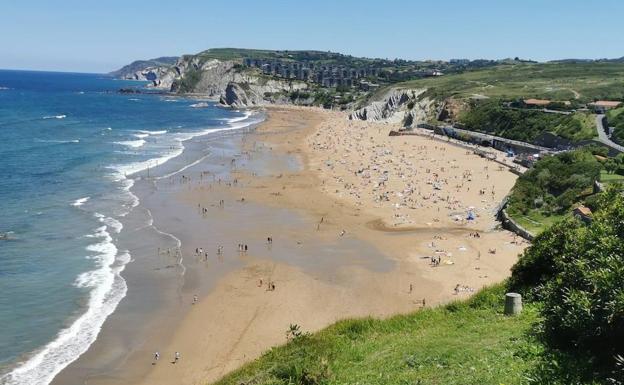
<point>225,80</point>
<point>236,97</point>
<point>403,106</point>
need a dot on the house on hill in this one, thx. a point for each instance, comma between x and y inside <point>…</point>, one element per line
<point>583,213</point>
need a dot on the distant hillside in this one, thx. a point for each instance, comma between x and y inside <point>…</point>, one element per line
<point>140,65</point>
<point>584,81</point>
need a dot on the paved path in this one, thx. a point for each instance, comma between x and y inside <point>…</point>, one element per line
<point>602,134</point>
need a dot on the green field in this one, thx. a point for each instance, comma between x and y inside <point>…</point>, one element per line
<point>535,221</point>
<point>468,342</point>
<point>555,81</point>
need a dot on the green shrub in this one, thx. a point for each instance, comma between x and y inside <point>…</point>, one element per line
<point>555,183</point>
<point>579,274</point>
<point>525,124</point>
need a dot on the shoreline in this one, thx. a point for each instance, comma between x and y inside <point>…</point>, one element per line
<point>139,224</point>
<point>366,272</point>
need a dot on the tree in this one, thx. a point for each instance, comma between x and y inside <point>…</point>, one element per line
<point>577,271</point>
<point>611,165</point>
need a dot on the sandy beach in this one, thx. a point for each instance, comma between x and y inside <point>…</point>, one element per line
<point>362,224</point>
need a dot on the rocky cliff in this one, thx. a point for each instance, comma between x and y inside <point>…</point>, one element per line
<point>233,84</point>
<point>405,106</point>
<point>140,69</point>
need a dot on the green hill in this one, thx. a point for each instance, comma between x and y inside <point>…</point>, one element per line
<point>585,81</point>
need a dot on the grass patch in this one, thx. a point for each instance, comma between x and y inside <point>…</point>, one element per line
<point>554,81</point>
<point>535,221</point>
<point>605,177</point>
<point>467,342</point>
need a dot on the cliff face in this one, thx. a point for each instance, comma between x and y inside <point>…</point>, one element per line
<point>140,69</point>
<point>224,79</point>
<point>403,106</point>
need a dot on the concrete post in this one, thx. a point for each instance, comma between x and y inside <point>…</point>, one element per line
<point>513,304</point>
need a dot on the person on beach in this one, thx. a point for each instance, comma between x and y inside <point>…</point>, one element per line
<point>156,357</point>
<point>195,299</point>
<point>176,357</point>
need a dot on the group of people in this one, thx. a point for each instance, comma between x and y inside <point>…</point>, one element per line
<point>270,285</point>
<point>365,165</point>
<point>176,357</point>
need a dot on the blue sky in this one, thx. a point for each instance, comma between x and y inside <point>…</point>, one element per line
<point>101,35</point>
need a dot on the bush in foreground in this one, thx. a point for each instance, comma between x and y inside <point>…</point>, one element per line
<point>578,273</point>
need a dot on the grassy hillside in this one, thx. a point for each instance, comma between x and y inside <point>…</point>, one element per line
<point>556,81</point>
<point>319,57</point>
<point>547,192</point>
<point>526,124</point>
<point>463,343</point>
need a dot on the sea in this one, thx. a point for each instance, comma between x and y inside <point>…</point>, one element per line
<point>69,146</point>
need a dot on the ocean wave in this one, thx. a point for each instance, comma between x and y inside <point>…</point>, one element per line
<point>134,168</point>
<point>200,105</point>
<point>4,88</point>
<point>81,201</point>
<point>246,116</point>
<point>140,136</point>
<point>132,143</point>
<point>113,223</point>
<point>57,141</point>
<point>107,288</point>
<point>55,117</point>
<point>153,132</point>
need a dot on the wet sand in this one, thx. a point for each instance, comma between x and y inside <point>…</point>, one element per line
<point>348,241</point>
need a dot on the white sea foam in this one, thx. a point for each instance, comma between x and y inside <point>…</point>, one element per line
<point>80,201</point>
<point>57,141</point>
<point>105,283</point>
<point>106,289</point>
<point>184,168</point>
<point>55,117</point>
<point>4,88</point>
<point>153,132</point>
<point>113,223</point>
<point>200,105</point>
<point>140,136</point>
<point>132,143</point>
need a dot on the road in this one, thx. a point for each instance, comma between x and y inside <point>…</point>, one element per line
<point>602,135</point>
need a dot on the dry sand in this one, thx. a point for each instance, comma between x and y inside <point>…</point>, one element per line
<point>402,199</point>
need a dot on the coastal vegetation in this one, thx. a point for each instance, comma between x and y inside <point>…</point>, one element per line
<point>189,81</point>
<point>548,191</point>
<point>571,330</point>
<point>615,119</point>
<point>494,118</point>
<point>581,81</point>
<point>575,271</point>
